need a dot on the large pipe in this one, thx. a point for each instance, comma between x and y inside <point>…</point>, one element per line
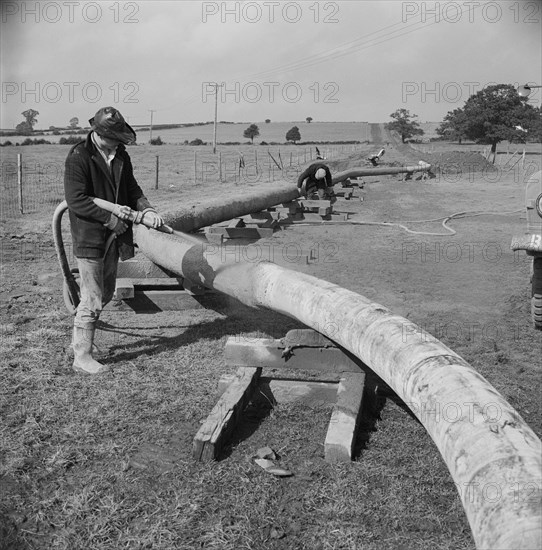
<point>191,218</point>
<point>361,172</point>
<point>493,456</point>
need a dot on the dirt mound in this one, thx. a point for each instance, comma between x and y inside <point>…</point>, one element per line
<point>457,162</point>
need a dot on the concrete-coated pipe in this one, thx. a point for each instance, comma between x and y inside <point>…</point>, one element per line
<point>191,218</point>
<point>493,456</point>
<point>361,172</point>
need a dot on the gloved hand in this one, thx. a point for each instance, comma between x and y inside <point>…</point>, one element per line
<point>123,212</point>
<point>116,225</point>
<point>152,218</point>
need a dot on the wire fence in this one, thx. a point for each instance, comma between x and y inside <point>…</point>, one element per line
<point>34,182</point>
<point>28,186</point>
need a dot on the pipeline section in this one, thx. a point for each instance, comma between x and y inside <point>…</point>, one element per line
<point>489,449</point>
<point>191,218</point>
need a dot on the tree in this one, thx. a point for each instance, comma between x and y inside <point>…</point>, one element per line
<point>452,127</point>
<point>309,119</point>
<point>251,132</point>
<point>74,122</point>
<point>27,127</point>
<point>403,124</point>
<point>267,120</point>
<point>499,113</point>
<point>293,134</point>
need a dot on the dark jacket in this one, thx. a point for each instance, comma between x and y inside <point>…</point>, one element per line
<point>87,176</point>
<point>312,181</point>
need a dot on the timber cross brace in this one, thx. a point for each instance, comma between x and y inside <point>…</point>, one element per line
<point>344,387</point>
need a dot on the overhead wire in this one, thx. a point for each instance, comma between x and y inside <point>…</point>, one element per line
<point>353,46</point>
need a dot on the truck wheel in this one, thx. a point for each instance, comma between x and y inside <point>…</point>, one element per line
<point>536,300</point>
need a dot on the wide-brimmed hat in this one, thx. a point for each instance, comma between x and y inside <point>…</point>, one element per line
<point>109,123</point>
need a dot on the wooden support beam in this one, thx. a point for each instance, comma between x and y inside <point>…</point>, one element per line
<point>280,390</point>
<point>241,232</point>
<point>264,352</point>
<point>309,204</point>
<point>124,288</point>
<point>195,289</point>
<point>225,414</point>
<point>236,222</point>
<point>141,268</point>
<point>341,433</point>
<point>155,301</point>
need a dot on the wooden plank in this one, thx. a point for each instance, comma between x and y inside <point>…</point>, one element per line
<point>266,352</point>
<point>236,222</point>
<point>345,192</point>
<point>278,390</point>
<point>242,232</point>
<point>338,217</point>
<point>308,203</point>
<point>263,222</point>
<point>141,268</point>
<point>124,288</point>
<point>315,217</point>
<point>325,210</point>
<point>155,301</point>
<point>225,414</point>
<point>341,433</point>
<point>266,215</point>
<point>193,288</point>
<point>215,238</point>
<point>151,283</point>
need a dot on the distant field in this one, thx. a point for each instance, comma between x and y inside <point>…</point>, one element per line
<point>181,166</point>
<point>272,132</point>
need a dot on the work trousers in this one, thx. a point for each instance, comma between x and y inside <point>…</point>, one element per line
<point>97,284</point>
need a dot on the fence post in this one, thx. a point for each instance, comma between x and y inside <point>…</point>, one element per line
<point>195,167</point>
<point>220,166</point>
<point>20,180</point>
<point>157,170</point>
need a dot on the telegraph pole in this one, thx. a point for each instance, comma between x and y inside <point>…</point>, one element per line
<point>151,111</point>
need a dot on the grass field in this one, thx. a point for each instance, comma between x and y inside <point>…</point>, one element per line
<point>105,463</point>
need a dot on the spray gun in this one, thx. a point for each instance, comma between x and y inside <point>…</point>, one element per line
<point>125,213</point>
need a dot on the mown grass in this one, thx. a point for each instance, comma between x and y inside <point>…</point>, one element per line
<point>105,463</point>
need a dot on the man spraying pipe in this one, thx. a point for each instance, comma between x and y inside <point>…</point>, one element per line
<point>100,167</point>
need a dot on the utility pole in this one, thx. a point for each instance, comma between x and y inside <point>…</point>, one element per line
<point>216,111</point>
<point>150,135</point>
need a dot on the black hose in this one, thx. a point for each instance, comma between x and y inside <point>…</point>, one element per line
<point>71,288</point>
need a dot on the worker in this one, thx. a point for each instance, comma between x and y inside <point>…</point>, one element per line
<point>375,158</point>
<point>315,181</point>
<point>100,167</point>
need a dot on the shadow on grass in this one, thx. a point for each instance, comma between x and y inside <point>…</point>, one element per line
<point>247,320</point>
<point>254,414</point>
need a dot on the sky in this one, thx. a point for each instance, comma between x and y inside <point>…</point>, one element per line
<point>330,60</point>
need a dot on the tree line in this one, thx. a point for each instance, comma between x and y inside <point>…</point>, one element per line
<point>496,113</point>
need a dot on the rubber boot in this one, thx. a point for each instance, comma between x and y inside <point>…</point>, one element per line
<point>97,353</point>
<point>82,352</point>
